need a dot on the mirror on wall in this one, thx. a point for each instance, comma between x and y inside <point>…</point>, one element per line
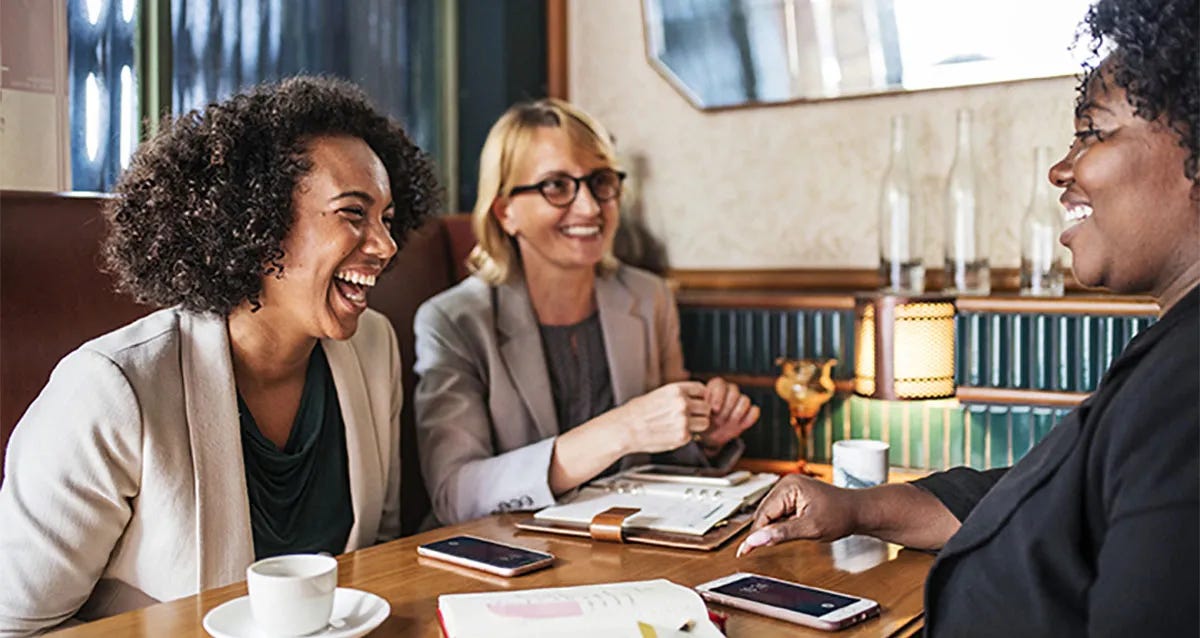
<point>727,53</point>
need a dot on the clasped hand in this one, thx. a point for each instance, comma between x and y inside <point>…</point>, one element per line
<point>677,413</point>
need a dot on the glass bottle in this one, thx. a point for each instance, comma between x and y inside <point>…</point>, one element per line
<point>901,241</point>
<point>966,259</point>
<point>1041,255</point>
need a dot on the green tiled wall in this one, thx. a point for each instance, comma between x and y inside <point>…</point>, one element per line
<point>1000,350</point>
<point>1066,353</point>
<point>747,341</point>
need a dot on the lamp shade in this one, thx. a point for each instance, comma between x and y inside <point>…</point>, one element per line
<point>904,347</point>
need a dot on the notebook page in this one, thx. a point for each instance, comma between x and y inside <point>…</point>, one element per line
<point>749,491</point>
<point>612,609</point>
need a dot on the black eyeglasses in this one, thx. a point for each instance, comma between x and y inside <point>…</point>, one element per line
<point>561,189</point>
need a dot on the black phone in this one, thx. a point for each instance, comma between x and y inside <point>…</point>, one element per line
<point>486,555</point>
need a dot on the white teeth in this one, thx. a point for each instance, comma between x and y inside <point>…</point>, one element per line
<point>1078,212</point>
<point>581,231</point>
<point>356,278</point>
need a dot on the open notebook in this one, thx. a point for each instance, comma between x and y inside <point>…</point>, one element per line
<point>664,507</point>
<point>635,609</point>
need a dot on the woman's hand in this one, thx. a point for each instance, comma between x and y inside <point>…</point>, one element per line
<point>732,413</point>
<point>664,419</point>
<point>802,507</point>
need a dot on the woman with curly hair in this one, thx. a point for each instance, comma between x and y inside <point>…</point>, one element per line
<point>1094,531</point>
<point>258,413</point>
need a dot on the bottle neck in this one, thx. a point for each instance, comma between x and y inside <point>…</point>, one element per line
<point>963,147</point>
<point>899,155</point>
<point>1041,179</point>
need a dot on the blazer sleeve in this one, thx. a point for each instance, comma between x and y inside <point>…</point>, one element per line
<point>465,477</point>
<point>389,521</point>
<point>670,354</point>
<point>72,471</point>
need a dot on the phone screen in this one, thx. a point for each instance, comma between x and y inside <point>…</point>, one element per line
<point>484,552</point>
<point>785,595</point>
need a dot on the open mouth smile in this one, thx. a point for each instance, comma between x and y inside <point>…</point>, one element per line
<point>353,287</point>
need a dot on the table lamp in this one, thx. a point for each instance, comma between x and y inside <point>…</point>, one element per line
<point>904,347</point>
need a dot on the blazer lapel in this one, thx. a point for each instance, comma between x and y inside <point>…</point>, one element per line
<point>624,338</point>
<point>225,542</point>
<point>362,448</point>
<point>521,349</point>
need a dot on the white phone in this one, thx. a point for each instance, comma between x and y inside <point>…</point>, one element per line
<point>486,555</point>
<point>801,604</point>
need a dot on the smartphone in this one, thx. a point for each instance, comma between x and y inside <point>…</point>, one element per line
<point>803,605</point>
<point>485,555</point>
<point>687,474</point>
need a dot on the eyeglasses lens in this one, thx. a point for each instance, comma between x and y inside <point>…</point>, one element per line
<point>604,185</point>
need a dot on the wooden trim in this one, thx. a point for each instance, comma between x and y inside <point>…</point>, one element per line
<point>841,386</point>
<point>1013,396</point>
<point>775,300</point>
<point>1090,305</point>
<point>964,394</point>
<point>834,279</point>
<point>815,279</point>
<point>835,289</point>
<point>557,73</point>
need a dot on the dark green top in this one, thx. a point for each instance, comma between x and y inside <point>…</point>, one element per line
<point>300,495</point>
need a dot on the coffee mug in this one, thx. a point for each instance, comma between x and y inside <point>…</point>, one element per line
<point>859,463</point>
<point>292,595</point>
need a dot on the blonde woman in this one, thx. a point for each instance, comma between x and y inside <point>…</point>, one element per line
<point>554,362</point>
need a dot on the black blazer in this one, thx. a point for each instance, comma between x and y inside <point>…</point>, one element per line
<point>1095,531</point>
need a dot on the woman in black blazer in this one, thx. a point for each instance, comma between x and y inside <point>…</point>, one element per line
<point>1095,531</point>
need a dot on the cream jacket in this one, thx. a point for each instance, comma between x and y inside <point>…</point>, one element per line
<point>124,479</point>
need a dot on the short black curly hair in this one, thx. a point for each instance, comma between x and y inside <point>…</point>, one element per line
<point>1154,49</point>
<point>200,215</point>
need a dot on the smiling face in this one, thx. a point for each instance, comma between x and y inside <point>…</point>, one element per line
<point>1133,219</point>
<point>338,244</point>
<point>571,238</point>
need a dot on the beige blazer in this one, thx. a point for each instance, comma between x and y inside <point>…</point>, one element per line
<point>124,479</point>
<point>486,422</point>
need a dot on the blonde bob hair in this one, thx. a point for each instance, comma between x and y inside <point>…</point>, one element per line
<point>495,257</point>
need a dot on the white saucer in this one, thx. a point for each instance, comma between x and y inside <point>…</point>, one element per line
<point>354,614</point>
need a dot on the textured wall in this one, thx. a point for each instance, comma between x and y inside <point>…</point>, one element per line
<point>796,186</point>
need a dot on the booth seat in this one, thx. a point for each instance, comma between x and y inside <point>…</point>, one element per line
<point>54,297</point>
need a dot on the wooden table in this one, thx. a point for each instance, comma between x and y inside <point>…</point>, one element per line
<point>866,567</point>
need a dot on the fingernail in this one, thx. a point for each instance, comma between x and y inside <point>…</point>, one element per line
<point>761,537</point>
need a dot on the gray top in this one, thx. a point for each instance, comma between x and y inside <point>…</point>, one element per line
<point>578,366</point>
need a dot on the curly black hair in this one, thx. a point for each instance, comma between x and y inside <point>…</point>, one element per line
<point>1154,53</point>
<point>202,211</point>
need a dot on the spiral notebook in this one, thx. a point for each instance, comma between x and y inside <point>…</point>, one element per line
<point>672,514</point>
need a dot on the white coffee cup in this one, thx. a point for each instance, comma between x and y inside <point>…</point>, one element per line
<point>859,463</point>
<point>292,595</point>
